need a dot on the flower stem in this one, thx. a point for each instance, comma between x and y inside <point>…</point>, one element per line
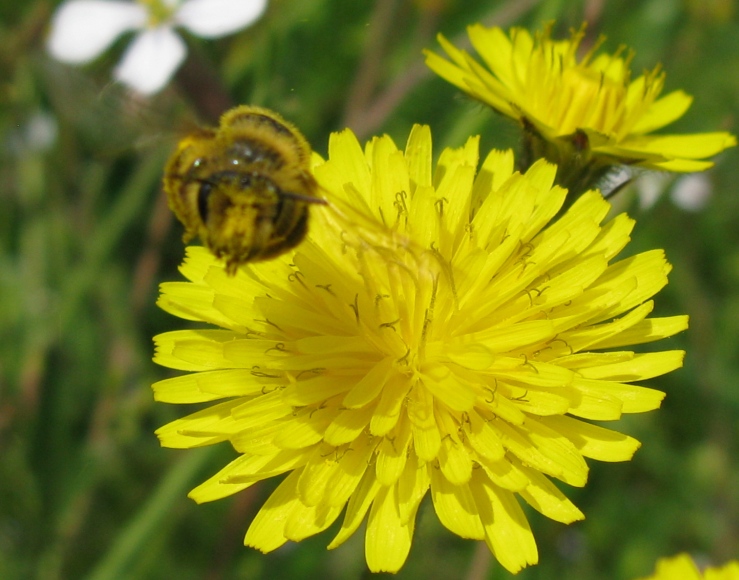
<point>202,87</point>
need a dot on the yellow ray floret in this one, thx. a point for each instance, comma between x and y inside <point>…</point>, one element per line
<point>683,567</point>
<point>591,101</point>
<point>438,332</point>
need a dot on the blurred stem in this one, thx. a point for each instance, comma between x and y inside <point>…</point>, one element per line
<point>145,526</point>
<point>592,14</point>
<point>377,112</point>
<point>100,448</point>
<point>372,115</point>
<point>230,541</point>
<point>107,236</point>
<point>147,264</point>
<point>72,517</point>
<point>592,11</point>
<point>365,81</point>
<point>481,561</point>
<point>28,34</point>
<point>203,88</point>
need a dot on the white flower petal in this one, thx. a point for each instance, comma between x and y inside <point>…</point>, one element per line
<point>41,131</point>
<point>82,29</point>
<point>151,60</point>
<point>214,18</point>
<point>692,192</point>
<point>650,187</point>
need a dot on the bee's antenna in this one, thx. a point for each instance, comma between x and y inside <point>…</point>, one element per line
<point>305,198</point>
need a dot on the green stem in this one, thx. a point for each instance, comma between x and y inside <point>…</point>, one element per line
<point>121,559</point>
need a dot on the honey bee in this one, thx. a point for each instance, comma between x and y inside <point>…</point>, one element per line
<point>243,188</point>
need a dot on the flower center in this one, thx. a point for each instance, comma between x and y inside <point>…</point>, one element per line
<point>589,99</point>
<point>160,11</point>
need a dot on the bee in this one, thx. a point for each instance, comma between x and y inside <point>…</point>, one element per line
<point>244,188</point>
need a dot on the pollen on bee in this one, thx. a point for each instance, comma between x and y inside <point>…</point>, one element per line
<point>254,159</point>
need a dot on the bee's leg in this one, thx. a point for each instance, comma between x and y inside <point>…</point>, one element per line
<point>291,237</point>
<point>262,239</point>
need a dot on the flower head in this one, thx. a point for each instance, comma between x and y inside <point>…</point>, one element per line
<point>582,112</point>
<point>437,331</point>
<point>683,567</point>
<point>82,29</point>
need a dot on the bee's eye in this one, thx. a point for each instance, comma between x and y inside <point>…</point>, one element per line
<point>245,181</point>
<point>203,195</point>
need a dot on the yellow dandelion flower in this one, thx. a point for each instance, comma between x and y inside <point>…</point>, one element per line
<point>682,567</point>
<point>585,114</point>
<point>436,332</point>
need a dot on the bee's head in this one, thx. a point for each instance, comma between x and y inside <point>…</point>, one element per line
<point>238,214</point>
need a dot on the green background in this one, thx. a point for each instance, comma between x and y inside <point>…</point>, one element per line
<point>85,489</point>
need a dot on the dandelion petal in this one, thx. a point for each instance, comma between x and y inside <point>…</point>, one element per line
<point>388,539</point>
<point>435,333</point>
<point>542,82</point>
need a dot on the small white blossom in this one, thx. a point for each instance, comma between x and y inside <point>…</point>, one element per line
<point>689,192</point>
<point>36,134</point>
<point>650,187</point>
<point>692,192</point>
<point>82,29</point>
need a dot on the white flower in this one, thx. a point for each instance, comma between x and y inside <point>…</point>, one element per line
<point>37,133</point>
<point>650,186</point>
<point>82,29</point>
<point>692,192</point>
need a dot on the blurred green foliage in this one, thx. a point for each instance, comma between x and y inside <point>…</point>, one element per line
<point>85,489</point>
